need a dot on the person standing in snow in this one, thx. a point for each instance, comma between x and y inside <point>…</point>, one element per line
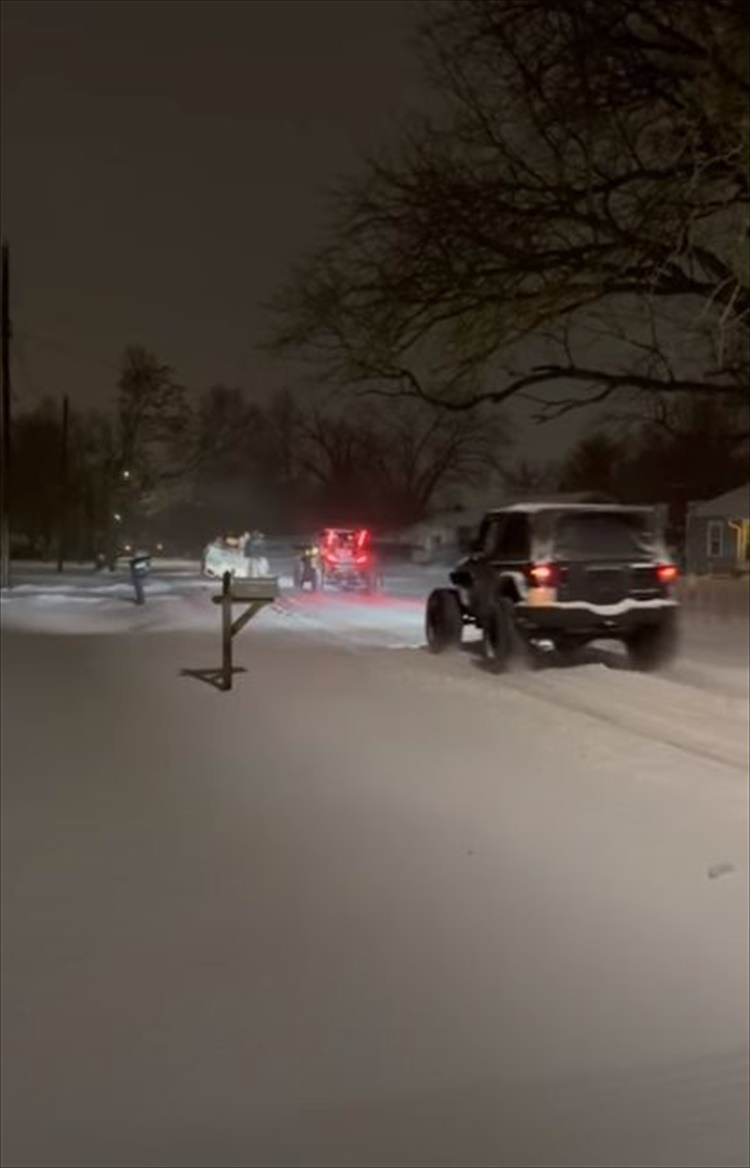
<point>140,565</point>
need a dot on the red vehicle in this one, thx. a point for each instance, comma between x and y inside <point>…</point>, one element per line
<point>347,559</point>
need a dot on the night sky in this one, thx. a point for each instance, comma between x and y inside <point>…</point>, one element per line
<point>165,162</point>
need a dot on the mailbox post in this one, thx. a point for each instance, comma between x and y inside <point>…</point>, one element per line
<point>255,595</point>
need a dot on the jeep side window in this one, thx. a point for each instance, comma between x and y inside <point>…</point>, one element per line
<point>491,534</point>
<point>514,541</point>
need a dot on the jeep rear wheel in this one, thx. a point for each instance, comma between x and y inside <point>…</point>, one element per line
<point>502,644</point>
<point>443,621</point>
<point>654,646</point>
<point>568,650</point>
<point>499,636</point>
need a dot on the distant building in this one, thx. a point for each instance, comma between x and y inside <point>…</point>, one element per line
<point>443,535</point>
<point>717,537</point>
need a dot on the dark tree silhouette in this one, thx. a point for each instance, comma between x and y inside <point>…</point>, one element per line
<point>596,463</point>
<point>36,454</point>
<point>681,451</point>
<point>571,224</point>
<point>394,464</point>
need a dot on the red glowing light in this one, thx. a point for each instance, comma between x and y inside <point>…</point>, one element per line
<point>667,573</point>
<point>542,574</point>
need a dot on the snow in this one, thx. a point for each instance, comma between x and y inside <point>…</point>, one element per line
<point>372,906</point>
<point>616,609</point>
<point>533,508</point>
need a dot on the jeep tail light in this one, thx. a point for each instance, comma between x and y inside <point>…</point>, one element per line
<point>667,573</point>
<point>543,575</point>
<point>361,558</point>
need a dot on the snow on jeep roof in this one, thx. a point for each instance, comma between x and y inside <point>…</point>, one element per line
<point>533,506</point>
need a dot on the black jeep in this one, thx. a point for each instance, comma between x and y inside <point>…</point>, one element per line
<point>552,576</point>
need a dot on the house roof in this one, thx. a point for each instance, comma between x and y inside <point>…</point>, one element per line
<point>733,505</point>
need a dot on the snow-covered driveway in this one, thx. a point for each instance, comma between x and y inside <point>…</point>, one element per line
<point>371,907</point>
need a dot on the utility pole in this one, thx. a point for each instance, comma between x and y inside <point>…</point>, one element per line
<point>5,331</point>
<point>63,484</point>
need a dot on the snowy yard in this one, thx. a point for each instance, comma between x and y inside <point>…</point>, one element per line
<point>372,907</point>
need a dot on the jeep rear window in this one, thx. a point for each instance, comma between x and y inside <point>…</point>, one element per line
<point>597,536</point>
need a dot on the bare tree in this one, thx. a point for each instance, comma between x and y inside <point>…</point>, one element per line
<point>152,417</point>
<point>574,218</point>
<point>36,446</point>
<point>396,463</point>
<point>141,446</point>
<point>375,461</point>
<point>526,477</point>
<point>224,428</point>
<point>680,450</point>
<point>420,456</point>
<point>596,463</point>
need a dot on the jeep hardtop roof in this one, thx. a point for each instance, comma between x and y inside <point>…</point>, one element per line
<point>531,507</point>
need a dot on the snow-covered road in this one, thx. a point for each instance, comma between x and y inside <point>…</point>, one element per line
<point>372,907</point>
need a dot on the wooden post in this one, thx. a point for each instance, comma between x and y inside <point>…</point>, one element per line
<point>226,630</point>
<point>62,532</point>
<point>255,595</point>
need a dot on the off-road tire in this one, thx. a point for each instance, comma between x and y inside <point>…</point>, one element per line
<point>502,645</point>
<point>654,646</point>
<point>443,621</point>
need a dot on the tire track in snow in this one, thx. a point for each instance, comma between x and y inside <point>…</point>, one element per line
<point>354,623</point>
<point>686,718</point>
<point>713,727</point>
<point>672,709</point>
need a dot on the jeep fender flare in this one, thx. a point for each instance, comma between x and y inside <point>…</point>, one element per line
<point>511,586</point>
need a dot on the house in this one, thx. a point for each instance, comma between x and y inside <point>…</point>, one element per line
<point>717,536</point>
<point>443,536</point>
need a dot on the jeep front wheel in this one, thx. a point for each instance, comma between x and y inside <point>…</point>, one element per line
<point>443,621</point>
